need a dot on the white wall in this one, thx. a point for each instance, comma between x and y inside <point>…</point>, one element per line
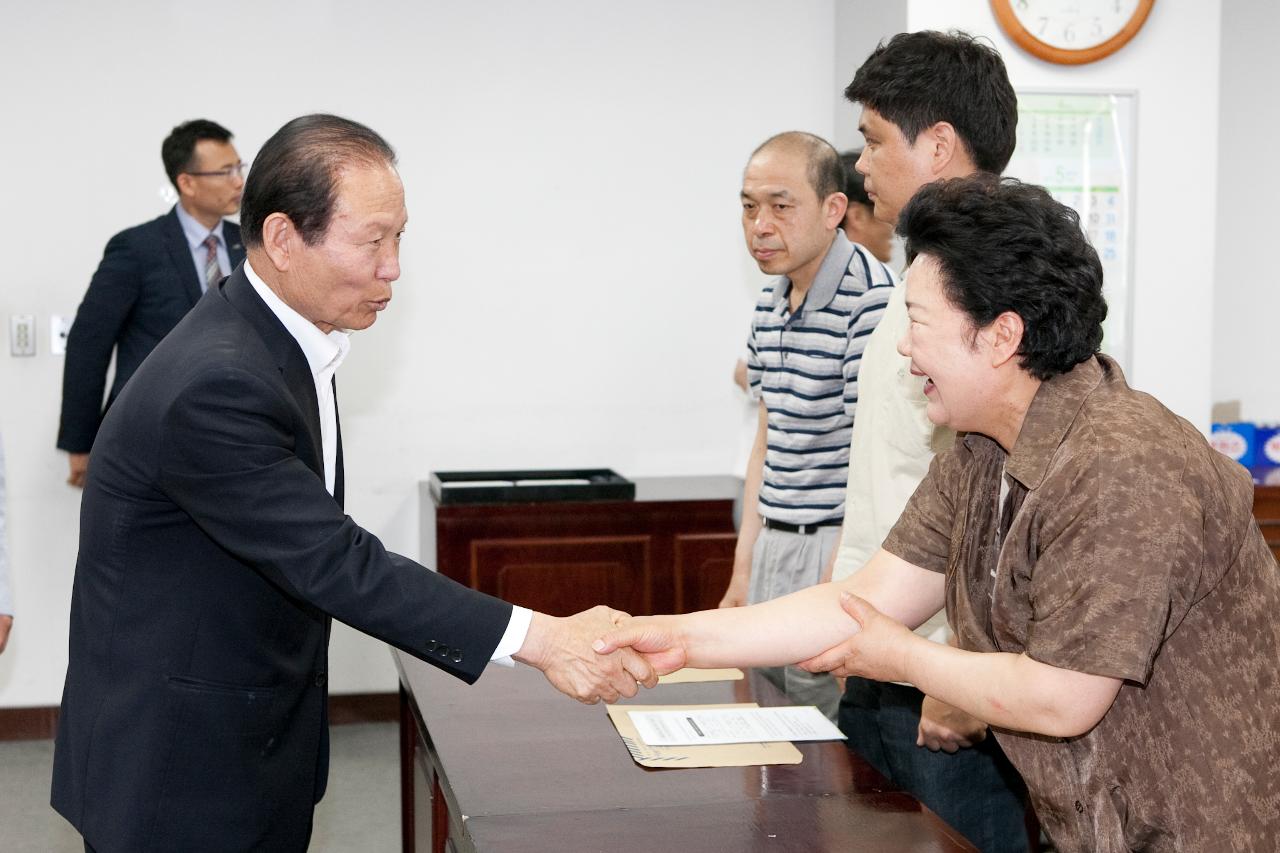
<point>574,289</point>
<point>860,25</point>
<point>1246,345</point>
<point>1173,66</point>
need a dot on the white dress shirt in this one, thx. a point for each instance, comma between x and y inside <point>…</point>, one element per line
<point>324,354</point>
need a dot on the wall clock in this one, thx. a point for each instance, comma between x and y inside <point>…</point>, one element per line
<point>1071,32</point>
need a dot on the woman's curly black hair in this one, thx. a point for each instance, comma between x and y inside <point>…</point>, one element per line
<point>1002,245</point>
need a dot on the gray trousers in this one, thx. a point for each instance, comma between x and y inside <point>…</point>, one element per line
<point>783,563</point>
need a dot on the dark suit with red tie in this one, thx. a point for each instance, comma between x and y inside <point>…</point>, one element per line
<point>211,560</point>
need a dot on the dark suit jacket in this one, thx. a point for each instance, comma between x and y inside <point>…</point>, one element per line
<point>211,559</point>
<point>144,285</point>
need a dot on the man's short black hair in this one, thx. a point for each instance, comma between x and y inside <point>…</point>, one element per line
<point>178,151</point>
<point>823,163</point>
<point>1002,245</point>
<point>297,171</point>
<point>854,186</point>
<point>916,80</point>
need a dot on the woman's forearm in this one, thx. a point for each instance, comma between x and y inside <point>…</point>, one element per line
<point>1009,691</point>
<point>782,631</point>
<point>803,624</point>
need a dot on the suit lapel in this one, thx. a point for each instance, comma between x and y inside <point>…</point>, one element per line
<point>287,355</point>
<point>180,255</point>
<point>235,248</point>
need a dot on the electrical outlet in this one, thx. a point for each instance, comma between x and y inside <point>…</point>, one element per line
<point>22,334</point>
<point>59,328</point>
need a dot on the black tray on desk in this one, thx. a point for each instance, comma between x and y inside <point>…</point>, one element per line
<point>453,488</point>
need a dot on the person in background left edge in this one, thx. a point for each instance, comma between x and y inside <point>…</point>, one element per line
<point>149,278</point>
<point>6,597</point>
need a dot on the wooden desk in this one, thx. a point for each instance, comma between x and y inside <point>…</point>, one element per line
<point>511,766</point>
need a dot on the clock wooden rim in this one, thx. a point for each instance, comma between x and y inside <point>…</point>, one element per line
<point>1013,27</point>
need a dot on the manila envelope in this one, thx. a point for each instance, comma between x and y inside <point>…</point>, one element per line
<point>710,755</point>
<point>689,675</point>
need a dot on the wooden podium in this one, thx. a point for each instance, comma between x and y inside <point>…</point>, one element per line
<point>670,550</point>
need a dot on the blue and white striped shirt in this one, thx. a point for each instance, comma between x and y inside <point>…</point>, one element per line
<point>804,366</point>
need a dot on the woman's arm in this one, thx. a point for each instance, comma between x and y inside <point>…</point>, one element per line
<point>784,630</point>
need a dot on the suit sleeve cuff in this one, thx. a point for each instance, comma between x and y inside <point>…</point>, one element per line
<point>513,637</point>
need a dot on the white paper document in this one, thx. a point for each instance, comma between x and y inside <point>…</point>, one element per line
<point>733,725</point>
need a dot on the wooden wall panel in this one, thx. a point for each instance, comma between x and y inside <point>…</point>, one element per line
<point>564,576</point>
<point>703,566</point>
<point>639,556</point>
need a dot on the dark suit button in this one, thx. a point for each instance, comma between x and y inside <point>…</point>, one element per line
<point>444,652</point>
<point>457,655</point>
<point>431,645</point>
<point>320,679</point>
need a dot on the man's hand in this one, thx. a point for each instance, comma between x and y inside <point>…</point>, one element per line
<point>6,624</point>
<point>739,585</point>
<point>830,568</point>
<point>79,468</point>
<point>876,651</point>
<point>947,728</point>
<point>562,649</point>
<point>656,638</point>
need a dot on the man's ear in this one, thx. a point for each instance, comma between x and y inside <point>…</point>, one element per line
<point>280,240</point>
<point>1005,335</point>
<point>833,208</point>
<point>947,153</point>
<point>185,184</point>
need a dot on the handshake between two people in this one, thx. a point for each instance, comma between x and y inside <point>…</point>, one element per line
<point>604,653</point>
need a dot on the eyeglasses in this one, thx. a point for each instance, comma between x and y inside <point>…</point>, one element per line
<point>236,171</point>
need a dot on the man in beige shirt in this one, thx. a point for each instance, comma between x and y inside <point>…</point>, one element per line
<point>934,106</point>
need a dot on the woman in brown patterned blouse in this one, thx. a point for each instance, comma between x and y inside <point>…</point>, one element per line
<point>1116,608</point>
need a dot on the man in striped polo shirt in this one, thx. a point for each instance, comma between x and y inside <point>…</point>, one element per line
<point>806,342</point>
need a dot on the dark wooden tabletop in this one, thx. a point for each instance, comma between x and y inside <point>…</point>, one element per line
<point>535,771</point>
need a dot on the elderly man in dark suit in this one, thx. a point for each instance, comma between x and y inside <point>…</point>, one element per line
<point>150,276</point>
<point>214,548</point>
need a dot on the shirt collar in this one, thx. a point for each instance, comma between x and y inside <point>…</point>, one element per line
<point>324,352</point>
<point>196,233</point>
<point>826,282</point>
<point>1053,410</point>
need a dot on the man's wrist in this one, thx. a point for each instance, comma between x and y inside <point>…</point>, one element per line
<point>513,637</point>
<point>533,651</point>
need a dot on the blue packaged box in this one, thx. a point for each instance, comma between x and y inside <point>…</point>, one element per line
<point>1267,446</point>
<point>1266,456</point>
<point>1237,440</point>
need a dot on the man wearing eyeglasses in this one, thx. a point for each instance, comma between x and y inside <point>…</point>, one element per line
<point>149,277</point>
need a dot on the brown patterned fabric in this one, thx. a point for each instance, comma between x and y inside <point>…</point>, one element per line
<point>1132,552</point>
